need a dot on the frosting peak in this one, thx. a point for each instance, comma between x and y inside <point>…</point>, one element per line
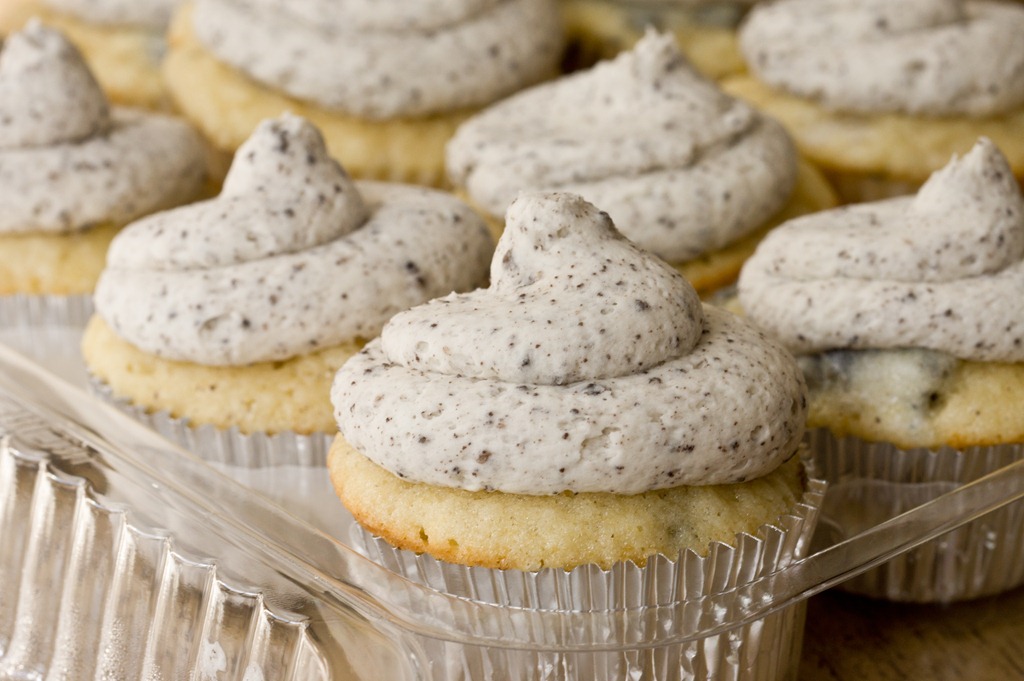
<point>528,327</point>
<point>943,270</point>
<point>291,257</point>
<point>679,165</point>
<point>67,161</point>
<point>927,57</point>
<point>589,365</point>
<point>47,93</point>
<point>283,194</point>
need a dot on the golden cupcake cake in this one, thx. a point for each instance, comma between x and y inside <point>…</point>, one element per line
<point>686,171</point>
<point>386,85</point>
<point>122,41</point>
<point>236,312</point>
<point>905,317</point>
<point>579,428</point>
<point>704,29</point>
<point>74,170</point>
<point>881,94</point>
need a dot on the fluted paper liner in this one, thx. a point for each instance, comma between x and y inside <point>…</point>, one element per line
<point>43,311</point>
<point>766,649</point>
<point>870,482</point>
<point>227,446</point>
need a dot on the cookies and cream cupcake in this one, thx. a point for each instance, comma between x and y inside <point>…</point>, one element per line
<point>73,169</point>
<point>236,312</point>
<point>882,93</point>
<point>122,41</point>
<point>386,85</point>
<point>583,420</point>
<point>687,172</point>
<point>905,316</point>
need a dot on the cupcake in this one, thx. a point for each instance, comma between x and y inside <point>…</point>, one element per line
<point>386,86</point>
<point>234,313</point>
<point>122,41</point>
<point>688,172</point>
<point>585,415</point>
<point>905,316</point>
<point>881,94</point>
<point>75,170</point>
<point>704,29</point>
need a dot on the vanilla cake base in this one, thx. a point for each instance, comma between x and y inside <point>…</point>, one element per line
<point>268,397</point>
<point>524,532</point>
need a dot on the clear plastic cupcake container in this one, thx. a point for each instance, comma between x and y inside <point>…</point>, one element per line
<point>124,556</point>
<point>870,482</point>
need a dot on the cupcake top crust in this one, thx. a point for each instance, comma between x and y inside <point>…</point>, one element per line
<point>383,60</point>
<point>69,161</point>
<point>919,57</point>
<point>589,365</point>
<point>153,14</point>
<point>680,166</point>
<point>943,270</point>
<point>291,257</point>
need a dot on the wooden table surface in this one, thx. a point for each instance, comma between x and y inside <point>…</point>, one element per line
<point>849,638</point>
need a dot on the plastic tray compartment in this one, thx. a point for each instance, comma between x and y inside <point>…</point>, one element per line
<point>122,556</point>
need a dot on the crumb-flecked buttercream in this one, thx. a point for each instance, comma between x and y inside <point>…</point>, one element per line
<point>391,60</point>
<point>589,366</point>
<point>943,270</point>
<point>682,167</point>
<point>67,160</point>
<point>919,57</point>
<point>153,14</point>
<point>291,257</point>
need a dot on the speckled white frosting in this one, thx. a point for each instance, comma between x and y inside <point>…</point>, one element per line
<point>152,14</point>
<point>943,270</point>
<point>291,257</point>
<point>386,60</point>
<point>589,365</point>
<point>922,57</point>
<point>680,166</point>
<point>67,161</point>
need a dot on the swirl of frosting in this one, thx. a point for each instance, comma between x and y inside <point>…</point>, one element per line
<point>66,160</point>
<point>943,270</point>
<point>680,165</point>
<point>589,365</point>
<point>291,257</point>
<point>154,14</point>
<point>47,93</point>
<point>386,60</point>
<point>923,57</point>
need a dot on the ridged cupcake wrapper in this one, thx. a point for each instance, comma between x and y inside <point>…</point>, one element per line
<point>47,329</point>
<point>226,446</point>
<point>766,649</point>
<point>44,311</point>
<point>871,482</point>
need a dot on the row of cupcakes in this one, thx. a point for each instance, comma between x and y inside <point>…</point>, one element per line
<point>389,88</point>
<point>270,144</point>
<point>510,430</point>
<point>698,177</point>
<point>244,306</point>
